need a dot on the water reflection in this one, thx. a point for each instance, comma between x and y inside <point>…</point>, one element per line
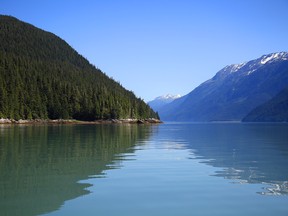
<point>40,167</point>
<point>245,153</point>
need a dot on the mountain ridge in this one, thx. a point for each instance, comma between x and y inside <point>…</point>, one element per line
<point>161,101</point>
<point>232,92</point>
<point>43,77</point>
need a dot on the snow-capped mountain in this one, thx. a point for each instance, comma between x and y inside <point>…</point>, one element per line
<point>160,101</point>
<point>274,57</point>
<point>247,68</point>
<point>168,97</point>
<point>233,92</point>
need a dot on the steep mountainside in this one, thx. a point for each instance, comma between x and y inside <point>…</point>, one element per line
<point>41,76</point>
<point>275,110</point>
<point>161,101</point>
<point>233,92</point>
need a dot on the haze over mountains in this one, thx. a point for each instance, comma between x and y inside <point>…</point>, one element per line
<point>161,101</point>
<point>233,92</point>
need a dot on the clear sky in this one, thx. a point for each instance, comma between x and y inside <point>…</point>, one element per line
<point>155,47</point>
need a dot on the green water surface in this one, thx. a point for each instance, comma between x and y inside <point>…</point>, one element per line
<point>168,169</point>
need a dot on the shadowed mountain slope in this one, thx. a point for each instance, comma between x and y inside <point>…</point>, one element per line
<point>233,92</point>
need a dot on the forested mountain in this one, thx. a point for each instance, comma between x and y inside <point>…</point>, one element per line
<point>41,76</point>
<point>233,92</point>
<point>274,110</point>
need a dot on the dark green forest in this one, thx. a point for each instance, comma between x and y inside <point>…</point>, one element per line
<point>42,77</point>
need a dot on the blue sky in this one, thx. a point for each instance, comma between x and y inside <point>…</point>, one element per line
<point>155,47</point>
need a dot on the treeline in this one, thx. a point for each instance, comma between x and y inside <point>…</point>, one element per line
<point>41,76</point>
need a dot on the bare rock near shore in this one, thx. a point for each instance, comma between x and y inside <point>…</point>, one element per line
<point>72,121</point>
<point>5,121</point>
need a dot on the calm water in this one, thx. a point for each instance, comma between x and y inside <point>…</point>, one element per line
<point>169,169</point>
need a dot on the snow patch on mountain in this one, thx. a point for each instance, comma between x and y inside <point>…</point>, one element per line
<point>168,97</point>
<point>161,101</point>
<point>247,68</point>
<point>251,71</point>
<point>235,67</point>
<point>232,92</point>
<point>274,56</point>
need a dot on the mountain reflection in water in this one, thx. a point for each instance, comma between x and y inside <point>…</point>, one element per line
<point>246,153</point>
<point>166,169</point>
<point>40,166</point>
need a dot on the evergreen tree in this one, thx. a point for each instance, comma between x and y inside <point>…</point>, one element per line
<point>41,76</point>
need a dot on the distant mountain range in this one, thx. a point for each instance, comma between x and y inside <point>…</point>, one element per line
<point>161,101</point>
<point>233,92</point>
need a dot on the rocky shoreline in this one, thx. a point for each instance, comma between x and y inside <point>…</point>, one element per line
<point>73,121</point>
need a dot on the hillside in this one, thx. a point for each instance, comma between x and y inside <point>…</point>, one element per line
<point>233,92</point>
<point>41,76</point>
<point>274,110</point>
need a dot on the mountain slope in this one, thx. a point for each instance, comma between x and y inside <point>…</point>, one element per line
<point>274,110</point>
<point>41,76</point>
<point>161,101</point>
<point>233,92</point>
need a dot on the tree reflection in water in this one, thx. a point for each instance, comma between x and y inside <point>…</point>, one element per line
<point>40,166</point>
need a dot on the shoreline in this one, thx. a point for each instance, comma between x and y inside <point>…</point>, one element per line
<point>79,122</point>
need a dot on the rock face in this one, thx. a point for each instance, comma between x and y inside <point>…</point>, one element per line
<point>73,121</point>
<point>233,92</point>
<point>5,121</point>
